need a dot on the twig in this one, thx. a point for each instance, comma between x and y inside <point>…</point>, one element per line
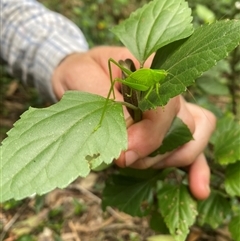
<point>87,229</point>
<point>72,226</point>
<point>7,227</point>
<point>121,226</point>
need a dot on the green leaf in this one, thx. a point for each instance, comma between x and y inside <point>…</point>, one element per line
<point>178,135</point>
<point>226,140</point>
<point>193,56</point>
<point>234,228</point>
<point>232,180</point>
<point>51,147</point>
<point>178,209</point>
<point>214,210</point>
<point>166,52</point>
<point>156,24</point>
<point>129,194</point>
<point>143,174</point>
<point>157,223</point>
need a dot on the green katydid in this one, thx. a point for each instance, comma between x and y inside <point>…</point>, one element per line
<point>143,79</point>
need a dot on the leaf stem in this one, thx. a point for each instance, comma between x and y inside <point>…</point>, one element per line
<point>234,85</point>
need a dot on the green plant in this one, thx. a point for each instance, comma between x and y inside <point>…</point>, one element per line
<point>34,157</point>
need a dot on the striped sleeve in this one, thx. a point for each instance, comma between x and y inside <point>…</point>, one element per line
<point>34,40</point>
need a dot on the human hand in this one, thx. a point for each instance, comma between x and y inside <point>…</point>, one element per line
<point>89,72</point>
<point>149,133</point>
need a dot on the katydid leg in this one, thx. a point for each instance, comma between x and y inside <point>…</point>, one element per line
<point>106,102</point>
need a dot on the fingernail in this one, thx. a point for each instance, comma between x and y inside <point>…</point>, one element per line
<point>130,157</point>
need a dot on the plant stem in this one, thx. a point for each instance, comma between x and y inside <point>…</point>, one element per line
<point>129,95</point>
<point>234,86</point>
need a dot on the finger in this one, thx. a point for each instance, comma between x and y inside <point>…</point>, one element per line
<point>185,155</point>
<point>187,118</point>
<point>199,178</point>
<point>145,136</point>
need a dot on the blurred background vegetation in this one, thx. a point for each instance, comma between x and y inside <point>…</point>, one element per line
<point>95,18</point>
<point>218,89</point>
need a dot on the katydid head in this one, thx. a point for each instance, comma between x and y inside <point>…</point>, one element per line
<point>158,75</point>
